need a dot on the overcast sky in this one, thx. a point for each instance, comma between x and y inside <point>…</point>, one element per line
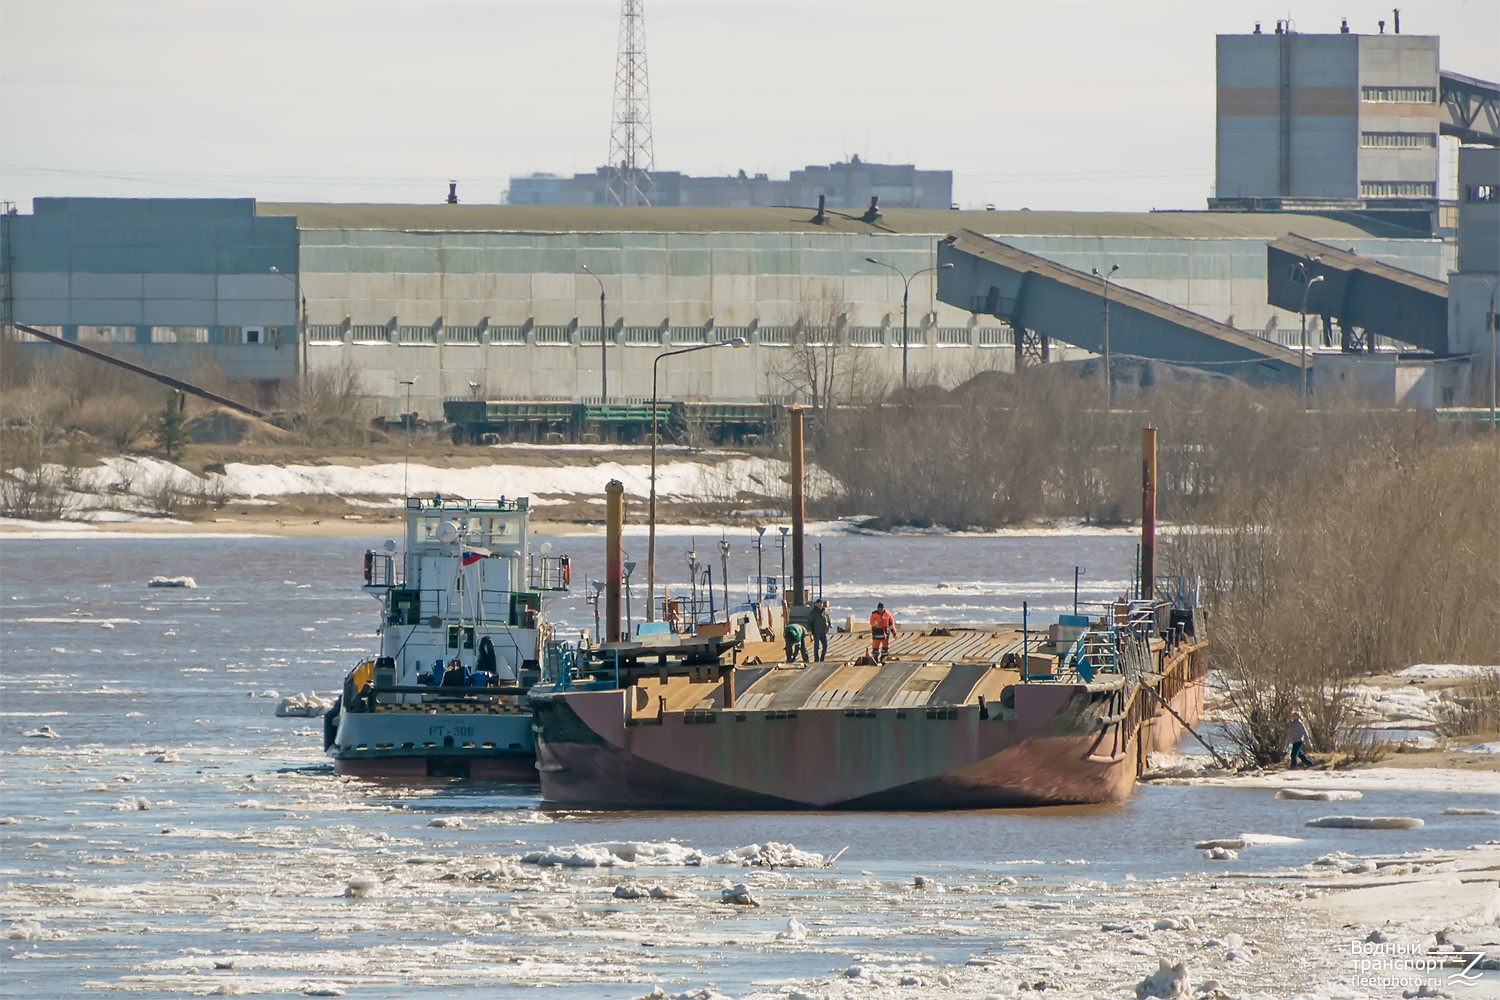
<point>1055,104</point>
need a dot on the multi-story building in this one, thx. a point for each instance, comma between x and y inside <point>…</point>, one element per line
<point>1327,120</point>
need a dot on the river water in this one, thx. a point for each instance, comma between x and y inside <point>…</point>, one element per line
<point>176,838</point>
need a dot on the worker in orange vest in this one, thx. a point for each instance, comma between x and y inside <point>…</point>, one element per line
<point>882,625</point>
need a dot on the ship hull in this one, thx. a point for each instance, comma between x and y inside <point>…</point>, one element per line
<point>519,768</point>
<point>419,741</point>
<point>1057,747</point>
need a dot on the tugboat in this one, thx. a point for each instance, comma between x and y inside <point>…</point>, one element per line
<point>463,637</point>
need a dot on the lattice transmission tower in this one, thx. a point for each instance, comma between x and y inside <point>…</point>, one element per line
<point>630,158</point>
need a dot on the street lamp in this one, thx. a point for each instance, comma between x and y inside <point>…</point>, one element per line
<point>760,573</point>
<point>629,568</point>
<point>692,565</point>
<point>736,343</point>
<point>406,419</point>
<point>905,296</point>
<point>598,586</point>
<point>724,555</point>
<point>1109,389</point>
<point>783,529</point>
<point>296,281</point>
<point>603,340</point>
<point>1306,287</point>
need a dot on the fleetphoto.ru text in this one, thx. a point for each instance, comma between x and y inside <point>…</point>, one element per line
<point>1400,965</point>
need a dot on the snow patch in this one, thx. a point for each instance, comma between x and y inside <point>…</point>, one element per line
<point>1432,671</point>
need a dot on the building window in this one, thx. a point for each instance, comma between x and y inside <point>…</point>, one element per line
<point>179,335</point>
<point>553,334</point>
<point>1399,95</point>
<point>20,336</point>
<point>106,334</point>
<point>1482,192</point>
<point>414,334</point>
<point>507,334</point>
<point>1398,140</point>
<point>325,333</point>
<point>1397,189</point>
<point>370,333</point>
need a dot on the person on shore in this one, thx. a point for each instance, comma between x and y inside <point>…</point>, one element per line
<point>796,641</point>
<point>1296,735</point>
<point>817,623</point>
<point>882,627</point>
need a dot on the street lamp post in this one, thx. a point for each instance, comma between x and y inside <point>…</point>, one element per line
<point>692,565</point>
<point>905,298</point>
<point>301,327</point>
<point>603,340</point>
<point>593,599</point>
<point>1306,287</point>
<point>760,572</point>
<point>724,555</point>
<point>1109,389</point>
<point>406,419</point>
<point>783,529</point>
<point>629,568</point>
<point>735,342</point>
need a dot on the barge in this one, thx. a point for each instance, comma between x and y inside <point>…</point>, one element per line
<point>961,716</point>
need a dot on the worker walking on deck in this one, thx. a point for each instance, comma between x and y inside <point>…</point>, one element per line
<point>817,623</point>
<point>882,627</point>
<point>1296,735</point>
<point>796,641</point>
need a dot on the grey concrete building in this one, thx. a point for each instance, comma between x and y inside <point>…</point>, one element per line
<point>1339,120</point>
<point>848,185</point>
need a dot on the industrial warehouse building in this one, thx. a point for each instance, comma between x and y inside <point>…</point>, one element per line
<point>495,300</point>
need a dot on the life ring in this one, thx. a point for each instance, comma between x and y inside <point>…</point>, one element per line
<point>567,572</point>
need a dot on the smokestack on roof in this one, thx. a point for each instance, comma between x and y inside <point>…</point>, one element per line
<point>453,192</point>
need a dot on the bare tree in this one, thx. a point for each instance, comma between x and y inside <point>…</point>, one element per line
<point>821,367</point>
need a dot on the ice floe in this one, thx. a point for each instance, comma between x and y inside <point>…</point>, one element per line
<point>1320,794</point>
<point>1367,822</point>
<point>361,886</point>
<point>303,705</point>
<point>738,895</point>
<point>183,582</point>
<point>615,854</point>
<point>1168,981</point>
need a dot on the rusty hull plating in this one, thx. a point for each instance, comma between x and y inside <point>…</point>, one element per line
<point>907,734</point>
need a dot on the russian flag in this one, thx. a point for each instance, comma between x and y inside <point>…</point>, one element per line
<point>472,556</point>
